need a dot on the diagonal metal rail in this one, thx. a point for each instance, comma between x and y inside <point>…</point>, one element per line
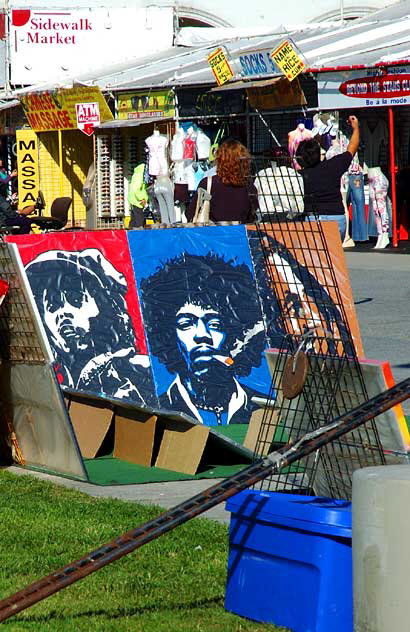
<point>203,501</point>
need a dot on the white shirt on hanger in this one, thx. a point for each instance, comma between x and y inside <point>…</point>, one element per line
<point>157,161</point>
<point>203,145</point>
<point>177,145</point>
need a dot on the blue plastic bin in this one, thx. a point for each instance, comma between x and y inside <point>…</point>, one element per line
<point>290,561</point>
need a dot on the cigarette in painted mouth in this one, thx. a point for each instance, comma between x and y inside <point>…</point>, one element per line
<point>224,359</point>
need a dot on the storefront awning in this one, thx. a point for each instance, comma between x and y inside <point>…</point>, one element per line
<point>242,85</point>
<point>134,122</point>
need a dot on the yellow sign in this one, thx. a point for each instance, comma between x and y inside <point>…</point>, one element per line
<point>288,60</point>
<point>220,66</point>
<point>27,166</point>
<point>55,110</point>
<point>146,104</point>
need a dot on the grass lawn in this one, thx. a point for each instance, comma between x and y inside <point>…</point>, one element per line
<point>173,584</point>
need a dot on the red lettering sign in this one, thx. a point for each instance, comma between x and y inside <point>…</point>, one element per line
<point>378,87</point>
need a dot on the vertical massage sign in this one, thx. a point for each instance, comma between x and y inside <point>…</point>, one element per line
<point>55,43</point>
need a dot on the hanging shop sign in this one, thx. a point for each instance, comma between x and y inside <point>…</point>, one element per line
<point>146,104</point>
<point>288,59</point>
<point>278,94</point>
<point>220,66</point>
<point>88,116</point>
<point>52,43</point>
<point>359,88</point>
<point>201,102</point>
<point>56,110</point>
<point>27,166</point>
<point>257,63</point>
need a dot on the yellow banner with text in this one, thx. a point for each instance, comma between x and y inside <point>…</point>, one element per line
<point>27,167</point>
<point>55,110</point>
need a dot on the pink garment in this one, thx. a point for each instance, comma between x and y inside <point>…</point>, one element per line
<point>294,138</point>
<point>189,148</point>
<point>378,187</point>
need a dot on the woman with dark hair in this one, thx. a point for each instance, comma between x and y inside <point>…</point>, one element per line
<point>234,197</point>
<point>322,194</point>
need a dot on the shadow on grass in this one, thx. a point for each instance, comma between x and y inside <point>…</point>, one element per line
<point>117,612</point>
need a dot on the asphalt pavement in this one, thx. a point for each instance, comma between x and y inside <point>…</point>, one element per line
<point>380,283</point>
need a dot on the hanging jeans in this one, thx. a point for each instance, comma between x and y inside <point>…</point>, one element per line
<point>378,187</point>
<point>355,195</point>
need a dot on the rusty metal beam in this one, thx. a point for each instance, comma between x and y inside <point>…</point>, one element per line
<point>200,503</point>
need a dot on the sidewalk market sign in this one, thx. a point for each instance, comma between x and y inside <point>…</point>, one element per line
<point>48,44</point>
<point>364,88</point>
<point>56,109</point>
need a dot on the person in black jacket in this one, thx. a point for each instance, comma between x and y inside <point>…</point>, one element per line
<point>321,178</point>
<point>10,217</point>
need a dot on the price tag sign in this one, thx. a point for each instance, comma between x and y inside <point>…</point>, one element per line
<point>220,66</point>
<point>288,60</point>
<point>88,116</point>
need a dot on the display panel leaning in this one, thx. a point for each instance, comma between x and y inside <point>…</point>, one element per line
<point>203,321</point>
<point>84,290</point>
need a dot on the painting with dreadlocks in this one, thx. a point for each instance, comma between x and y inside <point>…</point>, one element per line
<point>203,321</point>
<point>85,293</point>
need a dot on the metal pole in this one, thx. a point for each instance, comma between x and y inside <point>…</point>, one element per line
<point>393,171</point>
<point>200,503</point>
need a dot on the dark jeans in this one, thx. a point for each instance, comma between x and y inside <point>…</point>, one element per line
<point>137,217</point>
<point>22,221</point>
<point>355,193</point>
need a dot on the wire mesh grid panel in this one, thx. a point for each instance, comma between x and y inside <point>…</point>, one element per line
<point>316,375</point>
<point>19,340</point>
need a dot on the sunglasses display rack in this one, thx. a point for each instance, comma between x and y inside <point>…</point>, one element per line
<point>103,176</point>
<point>118,176</point>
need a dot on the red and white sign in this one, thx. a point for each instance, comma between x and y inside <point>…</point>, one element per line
<point>88,116</point>
<point>362,89</point>
<point>55,43</point>
<point>382,86</point>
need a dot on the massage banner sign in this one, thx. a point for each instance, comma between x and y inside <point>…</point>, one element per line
<point>360,89</point>
<point>57,110</point>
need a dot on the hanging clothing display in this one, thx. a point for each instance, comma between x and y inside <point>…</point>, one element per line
<point>378,187</point>
<point>189,145</point>
<point>157,160</point>
<point>294,138</point>
<point>374,138</point>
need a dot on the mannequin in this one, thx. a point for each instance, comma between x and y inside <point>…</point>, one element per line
<point>157,160</point>
<point>164,193</point>
<point>177,145</point>
<point>203,145</point>
<point>189,144</point>
<point>294,138</point>
<point>355,195</point>
<point>378,187</point>
<point>334,149</point>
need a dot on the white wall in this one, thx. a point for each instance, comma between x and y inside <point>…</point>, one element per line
<point>230,12</point>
